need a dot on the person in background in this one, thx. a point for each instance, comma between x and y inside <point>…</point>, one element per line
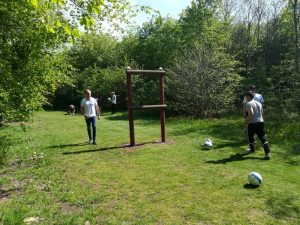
<point>72,110</point>
<point>113,103</point>
<point>257,97</point>
<point>89,108</point>
<point>255,124</point>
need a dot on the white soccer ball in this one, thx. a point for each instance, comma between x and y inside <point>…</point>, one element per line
<point>208,143</point>
<point>109,99</point>
<point>255,178</point>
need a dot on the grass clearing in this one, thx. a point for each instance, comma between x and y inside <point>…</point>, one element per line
<point>49,171</point>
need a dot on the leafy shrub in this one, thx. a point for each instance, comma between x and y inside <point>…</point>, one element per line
<point>202,83</point>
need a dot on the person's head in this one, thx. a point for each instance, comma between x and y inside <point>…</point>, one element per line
<point>249,96</point>
<point>113,93</point>
<point>252,89</point>
<point>87,93</point>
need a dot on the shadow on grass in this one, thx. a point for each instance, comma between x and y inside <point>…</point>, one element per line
<point>148,115</point>
<point>93,150</point>
<point>68,145</point>
<point>118,116</point>
<point>250,186</point>
<point>126,146</point>
<point>187,131</point>
<point>284,206</point>
<point>288,153</point>
<point>232,144</point>
<point>234,158</point>
<point>231,130</point>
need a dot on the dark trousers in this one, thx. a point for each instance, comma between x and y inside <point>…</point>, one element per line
<point>259,130</point>
<point>91,121</point>
<point>113,108</point>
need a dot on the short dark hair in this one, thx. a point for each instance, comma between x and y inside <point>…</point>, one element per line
<point>249,94</point>
<point>252,87</point>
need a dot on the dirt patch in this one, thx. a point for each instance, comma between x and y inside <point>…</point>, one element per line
<point>15,124</point>
<point>15,187</point>
<point>5,194</point>
<point>112,204</point>
<point>68,208</point>
<point>160,222</point>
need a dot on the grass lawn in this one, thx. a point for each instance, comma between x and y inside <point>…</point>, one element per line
<point>50,172</point>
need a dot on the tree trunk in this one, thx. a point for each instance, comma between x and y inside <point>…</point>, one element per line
<point>295,6</point>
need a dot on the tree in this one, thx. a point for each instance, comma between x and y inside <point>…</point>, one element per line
<point>202,83</point>
<point>90,14</point>
<point>98,61</point>
<point>32,37</point>
<point>31,68</point>
<point>158,43</point>
<point>197,21</point>
<point>295,7</point>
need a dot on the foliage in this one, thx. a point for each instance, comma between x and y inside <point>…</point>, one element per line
<point>33,33</point>
<point>93,50</point>
<point>197,22</point>
<point>158,43</point>
<point>89,14</point>
<point>259,39</point>
<point>31,68</point>
<point>99,67</point>
<point>202,83</point>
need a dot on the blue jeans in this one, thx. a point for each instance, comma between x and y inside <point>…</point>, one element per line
<point>89,121</point>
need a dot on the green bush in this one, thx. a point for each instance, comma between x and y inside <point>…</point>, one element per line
<point>3,150</point>
<point>202,83</point>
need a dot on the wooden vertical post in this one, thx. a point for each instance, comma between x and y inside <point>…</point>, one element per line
<point>162,110</point>
<point>160,72</point>
<point>130,110</point>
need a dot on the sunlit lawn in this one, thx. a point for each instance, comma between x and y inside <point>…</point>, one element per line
<point>68,181</point>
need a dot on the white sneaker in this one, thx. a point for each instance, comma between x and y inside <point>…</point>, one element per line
<point>91,142</point>
<point>249,151</point>
<point>267,156</point>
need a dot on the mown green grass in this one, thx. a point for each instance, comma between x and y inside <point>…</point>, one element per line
<point>49,171</point>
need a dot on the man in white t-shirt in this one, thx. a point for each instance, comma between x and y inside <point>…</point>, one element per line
<point>89,108</point>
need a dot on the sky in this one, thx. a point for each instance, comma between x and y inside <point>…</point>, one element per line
<point>170,8</point>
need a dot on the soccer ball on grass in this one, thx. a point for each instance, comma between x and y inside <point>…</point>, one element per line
<point>255,178</point>
<point>207,144</point>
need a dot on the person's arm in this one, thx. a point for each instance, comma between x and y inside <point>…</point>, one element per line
<point>97,110</point>
<point>249,114</point>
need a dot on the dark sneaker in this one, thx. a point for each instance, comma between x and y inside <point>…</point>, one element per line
<point>267,156</point>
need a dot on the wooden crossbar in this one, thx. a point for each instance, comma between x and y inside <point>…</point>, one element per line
<point>148,107</point>
<point>145,72</point>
